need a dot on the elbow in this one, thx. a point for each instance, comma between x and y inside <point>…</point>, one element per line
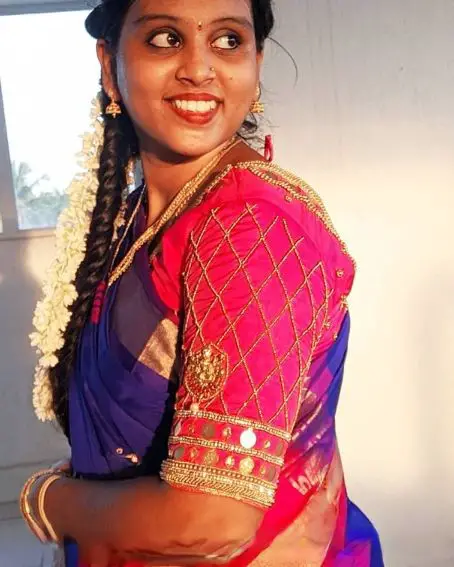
<point>220,535</point>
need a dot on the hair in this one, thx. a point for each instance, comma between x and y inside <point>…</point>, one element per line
<point>105,21</point>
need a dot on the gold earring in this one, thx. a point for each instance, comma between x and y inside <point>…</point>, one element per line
<point>200,26</point>
<point>113,109</point>
<point>257,107</point>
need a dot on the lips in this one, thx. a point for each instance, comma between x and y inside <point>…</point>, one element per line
<point>196,108</point>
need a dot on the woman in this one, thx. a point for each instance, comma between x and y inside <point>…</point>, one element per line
<point>201,365</point>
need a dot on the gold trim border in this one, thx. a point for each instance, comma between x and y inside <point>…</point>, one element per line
<point>196,442</point>
<point>210,480</point>
<point>232,420</point>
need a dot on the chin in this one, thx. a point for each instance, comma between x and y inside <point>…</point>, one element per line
<point>196,144</point>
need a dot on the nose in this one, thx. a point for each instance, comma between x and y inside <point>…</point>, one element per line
<point>196,65</point>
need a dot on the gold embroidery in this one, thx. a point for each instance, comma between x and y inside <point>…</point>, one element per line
<point>275,459</point>
<point>210,458</point>
<point>229,419</point>
<point>247,465</point>
<point>175,208</point>
<point>205,373</point>
<point>227,432</point>
<point>293,185</point>
<point>230,461</point>
<point>218,481</point>
<point>297,188</point>
<point>209,431</point>
<point>318,311</point>
<point>160,351</point>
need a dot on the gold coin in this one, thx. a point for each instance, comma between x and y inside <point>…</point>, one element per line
<point>211,458</point>
<point>209,430</point>
<point>247,465</point>
<point>178,453</point>
<point>230,461</point>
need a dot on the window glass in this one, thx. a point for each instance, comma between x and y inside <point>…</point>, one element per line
<point>49,75</point>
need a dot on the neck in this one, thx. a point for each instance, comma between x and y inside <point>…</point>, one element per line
<point>165,176</point>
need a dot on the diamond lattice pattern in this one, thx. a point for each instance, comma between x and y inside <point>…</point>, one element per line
<point>256,288</point>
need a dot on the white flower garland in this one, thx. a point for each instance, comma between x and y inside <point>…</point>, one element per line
<point>52,313</point>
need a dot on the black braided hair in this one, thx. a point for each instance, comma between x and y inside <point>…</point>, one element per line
<point>120,144</point>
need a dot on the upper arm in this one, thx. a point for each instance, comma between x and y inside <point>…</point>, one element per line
<point>255,305</point>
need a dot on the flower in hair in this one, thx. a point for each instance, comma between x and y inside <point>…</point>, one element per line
<point>52,313</point>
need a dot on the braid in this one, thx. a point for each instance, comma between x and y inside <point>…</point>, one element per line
<point>119,146</point>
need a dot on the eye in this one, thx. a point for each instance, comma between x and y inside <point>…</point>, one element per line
<point>165,40</point>
<point>230,41</point>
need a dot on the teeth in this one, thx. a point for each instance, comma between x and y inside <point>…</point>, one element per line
<point>195,105</point>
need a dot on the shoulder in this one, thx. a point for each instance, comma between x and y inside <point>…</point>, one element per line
<point>273,192</point>
<point>251,200</point>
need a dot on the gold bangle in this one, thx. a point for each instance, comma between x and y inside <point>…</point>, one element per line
<point>26,509</point>
<point>41,511</point>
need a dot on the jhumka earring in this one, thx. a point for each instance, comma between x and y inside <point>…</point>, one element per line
<point>257,107</point>
<point>113,109</point>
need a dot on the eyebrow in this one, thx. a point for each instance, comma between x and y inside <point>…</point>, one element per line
<point>228,19</point>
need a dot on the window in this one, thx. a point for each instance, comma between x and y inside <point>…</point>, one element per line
<point>49,75</point>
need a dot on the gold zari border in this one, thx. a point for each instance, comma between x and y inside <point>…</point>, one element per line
<point>219,482</point>
<point>228,447</point>
<point>232,420</point>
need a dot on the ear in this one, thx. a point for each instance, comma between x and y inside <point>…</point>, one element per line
<point>108,79</point>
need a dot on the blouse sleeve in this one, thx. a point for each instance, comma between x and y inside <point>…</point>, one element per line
<point>255,306</point>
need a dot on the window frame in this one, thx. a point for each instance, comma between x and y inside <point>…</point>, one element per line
<point>8,209</point>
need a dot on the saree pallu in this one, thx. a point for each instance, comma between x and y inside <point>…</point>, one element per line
<point>219,367</point>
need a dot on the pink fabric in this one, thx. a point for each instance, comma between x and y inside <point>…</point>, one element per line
<point>264,284</point>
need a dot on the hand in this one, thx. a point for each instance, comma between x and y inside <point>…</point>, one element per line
<point>63,466</point>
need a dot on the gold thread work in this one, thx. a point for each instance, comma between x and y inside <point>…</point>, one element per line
<point>176,207</point>
<point>205,373</point>
<point>202,478</point>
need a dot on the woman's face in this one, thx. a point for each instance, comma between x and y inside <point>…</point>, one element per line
<point>187,72</point>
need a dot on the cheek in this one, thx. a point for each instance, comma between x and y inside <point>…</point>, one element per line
<point>142,86</point>
<point>240,88</point>
<point>137,81</point>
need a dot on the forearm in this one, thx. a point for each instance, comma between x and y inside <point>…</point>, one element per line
<point>145,516</point>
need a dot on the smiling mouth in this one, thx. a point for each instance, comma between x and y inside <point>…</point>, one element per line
<point>197,112</point>
<point>196,106</point>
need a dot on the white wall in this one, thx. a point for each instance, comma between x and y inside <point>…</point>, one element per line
<point>25,445</point>
<point>371,126</point>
